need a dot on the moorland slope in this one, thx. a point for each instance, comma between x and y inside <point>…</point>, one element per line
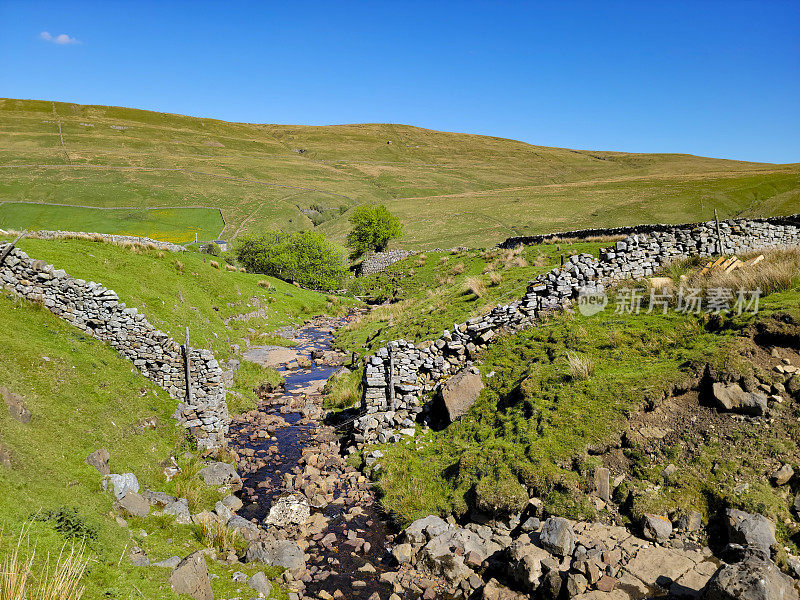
<point>448,188</point>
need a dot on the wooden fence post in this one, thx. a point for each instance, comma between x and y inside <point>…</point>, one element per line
<point>9,247</point>
<point>719,234</point>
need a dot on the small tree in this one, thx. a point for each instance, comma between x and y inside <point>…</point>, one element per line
<point>373,227</point>
<point>305,257</point>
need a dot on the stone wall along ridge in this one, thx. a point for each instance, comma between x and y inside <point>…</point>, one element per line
<point>110,238</point>
<point>98,312</point>
<point>397,376</point>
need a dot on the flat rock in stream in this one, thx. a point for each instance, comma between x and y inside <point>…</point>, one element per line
<point>270,356</point>
<point>278,553</point>
<point>289,510</point>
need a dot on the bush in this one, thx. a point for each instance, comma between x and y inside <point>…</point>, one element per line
<point>373,227</point>
<point>211,248</point>
<point>306,257</point>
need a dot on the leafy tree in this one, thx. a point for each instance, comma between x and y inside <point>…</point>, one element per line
<point>373,227</point>
<point>305,257</point>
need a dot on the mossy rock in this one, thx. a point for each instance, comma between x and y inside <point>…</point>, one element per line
<point>501,493</point>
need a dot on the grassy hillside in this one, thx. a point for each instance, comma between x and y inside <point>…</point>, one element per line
<point>222,309</point>
<point>449,189</point>
<point>82,397</point>
<point>581,392</point>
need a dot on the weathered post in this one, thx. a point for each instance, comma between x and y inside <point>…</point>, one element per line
<point>9,247</point>
<point>562,261</point>
<point>187,357</point>
<point>719,234</point>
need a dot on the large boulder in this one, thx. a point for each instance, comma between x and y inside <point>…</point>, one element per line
<point>220,473</point>
<point>733,398</point>
<point>289,510</point>
<point>656,528</point>
<point>751,531</point>
<point>444,554</point>
<point>191,577</point>
<point>422,530</point>
<point>133,504</point>
<point>123,484</point>
<point>456,396</point>
<point>755,577</point>
<point>528,563</point>
<point>557,536</point>
<point>278,553</point>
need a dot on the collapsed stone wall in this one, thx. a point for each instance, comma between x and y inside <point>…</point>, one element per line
<point>377,262</point>
<point>97,311</point>
<point>111,238</point>
<point>400,372</point>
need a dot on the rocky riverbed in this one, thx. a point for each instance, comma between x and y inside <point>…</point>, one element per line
<point>300,489</point>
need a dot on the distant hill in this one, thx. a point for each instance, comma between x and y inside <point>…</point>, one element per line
<point>448,188</point>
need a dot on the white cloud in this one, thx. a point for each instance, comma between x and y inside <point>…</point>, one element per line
<point>61,39</point>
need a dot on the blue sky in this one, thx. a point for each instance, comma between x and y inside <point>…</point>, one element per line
<point>710,78</point>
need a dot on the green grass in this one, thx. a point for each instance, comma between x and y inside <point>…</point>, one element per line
<point>537,415</point>
<point>534,417</point>
<point>82,397</point>
<point>431,292</point>
<point>175,291</point>
<point>448,189</point>
<point>177,225</point>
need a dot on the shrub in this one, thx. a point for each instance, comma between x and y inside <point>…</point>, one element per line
<point>458,269</point>
<point>373,227</point>
<point>307,258</point>
<point>211,248</point>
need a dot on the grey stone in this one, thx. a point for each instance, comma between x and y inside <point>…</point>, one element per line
<point>656,528</point>
<point>403,553</point>
<point>733,398</point>
<point>260,584</point>
<point>191,577</point>
<point>179,508</point>
<point>422,530</point>
<point>168,563</point>
<point>134,505</point>
<point>280,553</point>
<point>753,578</point>
<point>289,510</point>
<point>557,536</point>
<point>161,499</point>
<point>782,475</point>
<point>99,460</point>
<point>751,531</point>
<point>220,473</point>
<point>123,484</point>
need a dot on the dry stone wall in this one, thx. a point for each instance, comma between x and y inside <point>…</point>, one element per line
<point>377,262</point>
<point>397,376</point>
<point>97,311</point>
<point>110,238</point>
